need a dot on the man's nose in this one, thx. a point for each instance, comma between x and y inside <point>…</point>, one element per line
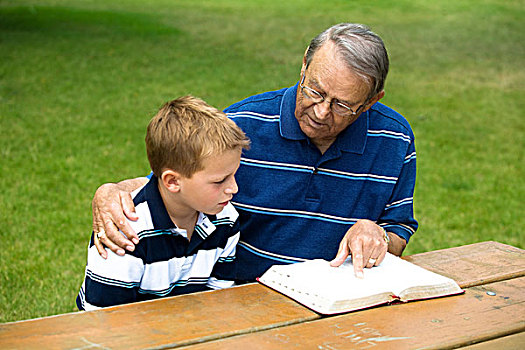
<point>322,109</point>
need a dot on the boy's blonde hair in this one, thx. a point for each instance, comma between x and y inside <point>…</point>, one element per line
<point>187,130</point>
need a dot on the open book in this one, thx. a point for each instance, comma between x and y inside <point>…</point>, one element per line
<point>330,290</point>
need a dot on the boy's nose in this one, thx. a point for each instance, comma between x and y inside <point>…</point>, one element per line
<point>232,187</point>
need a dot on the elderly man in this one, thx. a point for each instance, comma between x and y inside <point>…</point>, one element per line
<point>330,172</point>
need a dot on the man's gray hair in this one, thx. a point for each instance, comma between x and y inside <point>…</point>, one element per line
<point>362,49</point>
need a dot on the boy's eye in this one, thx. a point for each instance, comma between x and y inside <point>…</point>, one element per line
<point>220,181</point>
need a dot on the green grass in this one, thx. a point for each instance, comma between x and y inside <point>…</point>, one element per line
<point>80,80</point>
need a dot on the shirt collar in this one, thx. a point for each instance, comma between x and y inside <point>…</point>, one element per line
<point>205,224</point>
<point>352,139</point>
<point>290,128</point>
<point>160,216</point>
<point>161,219</point>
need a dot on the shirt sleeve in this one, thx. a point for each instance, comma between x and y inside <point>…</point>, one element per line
<point>398,215</point>
<point>110,281</point>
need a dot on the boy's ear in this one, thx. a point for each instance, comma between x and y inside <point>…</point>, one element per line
<point>171,180</point>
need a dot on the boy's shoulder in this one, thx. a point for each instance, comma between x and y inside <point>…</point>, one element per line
<point>144,212</point>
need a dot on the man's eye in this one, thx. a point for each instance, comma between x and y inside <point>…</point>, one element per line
<point>220,181</point>
<point>341,107</point>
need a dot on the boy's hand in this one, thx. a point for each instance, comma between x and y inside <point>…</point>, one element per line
<point>365,242</point>
<point>110,203</point>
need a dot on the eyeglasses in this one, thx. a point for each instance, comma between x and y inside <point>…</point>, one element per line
<point>336,106</point>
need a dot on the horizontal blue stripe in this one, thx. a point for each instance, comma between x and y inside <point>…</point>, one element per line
<point>409,159</point>
<point>349,177</point>
<point>254,117</point>
<point>226,259</point>
<point>222,222</point>
<point>276,167</point>
<point>398,205</point>
<point>399,226</point>
<point>266,256</point>
<point>152,233</point>
<point>364,178</point>
<point>180,283</point>
<point>298,215</point>
<point>110,281</point>
<point>390,136</point>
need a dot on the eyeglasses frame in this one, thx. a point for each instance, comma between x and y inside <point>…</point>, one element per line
<point>351,113</point>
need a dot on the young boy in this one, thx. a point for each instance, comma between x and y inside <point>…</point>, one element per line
<point>187,227</point>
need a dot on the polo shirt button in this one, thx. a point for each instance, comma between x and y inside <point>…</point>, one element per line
<point>315,171</point>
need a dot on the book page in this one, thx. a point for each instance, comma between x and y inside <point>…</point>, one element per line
<point>317,279</point>
<point>402,275</point>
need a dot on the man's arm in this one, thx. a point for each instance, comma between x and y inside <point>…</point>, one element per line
<point>365,240</point>
<point>111,205</point>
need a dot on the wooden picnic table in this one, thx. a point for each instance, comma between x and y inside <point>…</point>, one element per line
<point>490,314</point>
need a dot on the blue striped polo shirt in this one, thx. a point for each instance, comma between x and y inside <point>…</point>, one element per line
<point>296,203</point>
<point>164,262</point>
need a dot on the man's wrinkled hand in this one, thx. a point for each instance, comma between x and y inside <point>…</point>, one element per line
<point>110,207</point>
<point>365,241</point>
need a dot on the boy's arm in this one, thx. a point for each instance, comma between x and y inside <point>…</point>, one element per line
<point>111,281</point>
<point>223,274</point>
<point>111,205</point>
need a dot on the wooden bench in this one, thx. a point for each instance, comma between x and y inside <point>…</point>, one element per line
<point>257,317</point>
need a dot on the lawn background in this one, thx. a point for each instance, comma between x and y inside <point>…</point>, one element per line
<point>79,81</point>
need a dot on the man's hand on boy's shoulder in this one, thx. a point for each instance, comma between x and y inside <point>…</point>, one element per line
<point>111,205</point>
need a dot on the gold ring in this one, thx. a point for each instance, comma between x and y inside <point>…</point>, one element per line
<point>101,234</point>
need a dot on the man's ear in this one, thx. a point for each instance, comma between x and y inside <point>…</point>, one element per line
<point>303,68</point>
<point>171,180</point>
<point>374,99</point>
